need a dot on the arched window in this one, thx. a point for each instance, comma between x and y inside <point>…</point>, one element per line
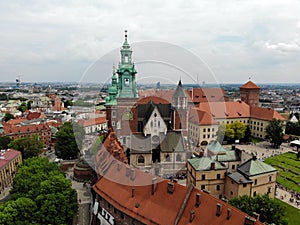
<point>168,159</point>
<point>141,159</point>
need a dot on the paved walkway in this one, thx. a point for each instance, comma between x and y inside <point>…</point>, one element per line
<point>84,200</point>
<point>286,196</point>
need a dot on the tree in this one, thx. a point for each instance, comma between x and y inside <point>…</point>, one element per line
<point>275,133</point>
<point>29,146</point>
<point>69,139</point>
<point>4,141</point>
<point>231,131</point>
<point>41,181</point>
<point>270,211</point>
<point>8,117</point>
<point>23,107</point>
<point>239,129</point>
<point>18,212</point>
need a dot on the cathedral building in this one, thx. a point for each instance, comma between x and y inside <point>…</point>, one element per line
<point>151,129</point>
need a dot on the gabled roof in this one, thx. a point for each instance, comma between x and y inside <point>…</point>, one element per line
<point>140,143</point>
<point>249,85</point>
<point>253,167</point>
<point>204,164</point>
<point>265,114</point>
<point>173,140</point>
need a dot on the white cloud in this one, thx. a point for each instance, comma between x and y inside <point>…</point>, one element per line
<point>73,31</point>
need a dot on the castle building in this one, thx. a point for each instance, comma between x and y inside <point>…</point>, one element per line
<point>125,195</point>
<point>151,129</point>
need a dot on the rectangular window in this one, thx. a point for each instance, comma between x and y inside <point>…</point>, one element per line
<point>204,130</point>
<point>202,187</point>
<point>244,185</point>
<point>114,114</point>
<point>218,176</point>
<point>204,136</point>
<point>208,129</point>
<point>213,129</point>
<point>203,177</point>
<point>233,167</point>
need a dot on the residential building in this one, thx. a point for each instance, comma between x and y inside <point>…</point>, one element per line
<point>93,125</point>
<point>9,161</point>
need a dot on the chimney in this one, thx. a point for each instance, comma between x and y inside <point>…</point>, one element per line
<point>198,196</point>
<point>132,192</point>
<point>255,215</point>
<point>192,215</point>
<point>228,214</point>
<point>132,174</point>
<point>212,166</point>
<point>127,171</point>
<point>170,188</point>
<point>249,220</point>
<point>219,209</point>
<point>154,185</point>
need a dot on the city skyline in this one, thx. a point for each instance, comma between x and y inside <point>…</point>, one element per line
<point>60,42</point>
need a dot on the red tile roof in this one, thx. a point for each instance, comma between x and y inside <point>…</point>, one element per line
<point>7,156</point>
<point>249,85</point>
<point>134,198</point>
<point>226,110</point>
<point>35,115</point>
<point>154,99</point>
<point>91,122</point>
<point>265,114</point>
<point>201,118</point>
<point>167,95</point>
<point>16,121</point>
<point>206,94</point>
<point>12,129</point>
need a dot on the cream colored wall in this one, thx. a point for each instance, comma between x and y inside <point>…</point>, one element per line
<point>134,160</point>
<point>263,183</point>
<point>258,127</point>
<point>196,132</point>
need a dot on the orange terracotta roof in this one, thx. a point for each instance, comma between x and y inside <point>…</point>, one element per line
<point>265,114</point>
<point>91,122</point>
<point>201,118</point>
<point>35,115</point>
<point>112,146</point>
<point>12,129</point>
<point>155,99</point>
<point>132,195</point>
<point>226,110</point>
<point>249,85</point>
<point>7,156</point>
<point>167,95</point>
<point>206,94</point>
<point>16,121</point>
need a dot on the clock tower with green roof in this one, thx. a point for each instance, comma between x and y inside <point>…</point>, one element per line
<point>122,93</point>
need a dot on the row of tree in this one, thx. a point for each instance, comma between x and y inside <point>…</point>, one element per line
<point>40,195</point>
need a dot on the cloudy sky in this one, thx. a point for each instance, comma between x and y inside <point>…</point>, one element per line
<point>233,40</point>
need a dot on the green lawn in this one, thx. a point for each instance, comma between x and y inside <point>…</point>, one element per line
<point>288,167</point>
<point>292,215</point>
